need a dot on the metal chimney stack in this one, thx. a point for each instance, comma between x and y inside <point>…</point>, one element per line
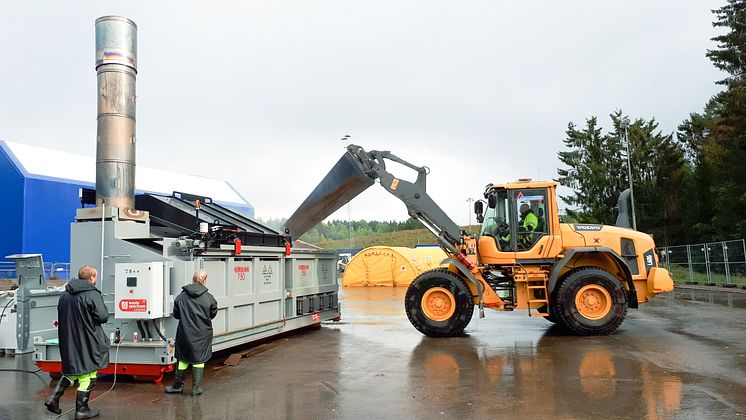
<point>116,68</point>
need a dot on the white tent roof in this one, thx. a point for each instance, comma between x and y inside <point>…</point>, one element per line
<point>41,162</point>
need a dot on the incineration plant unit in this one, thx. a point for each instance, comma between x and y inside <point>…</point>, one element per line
<point>147,247</point>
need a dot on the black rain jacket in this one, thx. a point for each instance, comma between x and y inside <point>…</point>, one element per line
<point>84,347</point>
<point>195,308</point>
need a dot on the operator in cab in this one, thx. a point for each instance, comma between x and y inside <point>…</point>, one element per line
<point>526,225</point>
<point>528,220</point>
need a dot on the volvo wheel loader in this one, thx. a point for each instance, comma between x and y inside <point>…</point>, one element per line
<point>582,276</point>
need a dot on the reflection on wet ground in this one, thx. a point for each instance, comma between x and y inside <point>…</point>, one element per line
<point>673,357</point>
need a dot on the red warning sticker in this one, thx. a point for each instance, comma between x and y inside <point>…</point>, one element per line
<point>133,305</point>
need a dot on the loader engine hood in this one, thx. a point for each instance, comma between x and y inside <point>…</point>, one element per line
<point>627,243</point>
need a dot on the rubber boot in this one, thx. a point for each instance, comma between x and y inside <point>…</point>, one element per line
<point>53,402</point>
<point>82,411</point>
<point>197,380</point>
<point>178,386</point>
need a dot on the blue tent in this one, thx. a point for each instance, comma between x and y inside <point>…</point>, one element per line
<point>40,192</point>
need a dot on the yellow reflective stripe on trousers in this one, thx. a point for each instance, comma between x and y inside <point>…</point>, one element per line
<point>84,380</point>
<point>185,365</point>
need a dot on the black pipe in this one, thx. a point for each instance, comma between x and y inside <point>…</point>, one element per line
<point>142,332</point>
<point>146,325</point>
<point>158,331</point>
<point>147,330</point>
<point>6,307</point>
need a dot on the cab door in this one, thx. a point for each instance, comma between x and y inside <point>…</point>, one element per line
<point>531,234</point>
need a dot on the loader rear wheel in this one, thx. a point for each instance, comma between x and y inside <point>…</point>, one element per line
<point>591,301</point>
<point>439,304</point>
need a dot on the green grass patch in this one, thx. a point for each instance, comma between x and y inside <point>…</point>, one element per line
<point>405,238</point>
<point>681,275</point>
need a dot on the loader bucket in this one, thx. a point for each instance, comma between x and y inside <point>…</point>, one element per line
<point>344,182</point>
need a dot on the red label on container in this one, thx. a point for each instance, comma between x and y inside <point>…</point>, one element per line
<point>303,269</point>
<point>133,305</point>
<point>241,271</point>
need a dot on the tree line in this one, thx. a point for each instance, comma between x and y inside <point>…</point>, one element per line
<point>689,186</point>
<point>340,229</point>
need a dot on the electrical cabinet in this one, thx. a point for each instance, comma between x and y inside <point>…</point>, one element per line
<point>138,290</point>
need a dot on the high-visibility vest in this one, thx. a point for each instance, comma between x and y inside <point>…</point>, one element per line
<point>530,221</point>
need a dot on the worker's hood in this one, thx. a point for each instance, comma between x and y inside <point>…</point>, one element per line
<point>195,289</point>
<point>77,286</point>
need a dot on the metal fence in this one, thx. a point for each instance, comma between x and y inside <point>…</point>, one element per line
<point>53,270</point>
<point>715,263</point>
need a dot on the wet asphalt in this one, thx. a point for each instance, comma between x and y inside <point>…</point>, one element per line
<point>682,355</point>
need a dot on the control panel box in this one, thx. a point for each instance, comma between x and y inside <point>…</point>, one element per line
<point>138,290</point>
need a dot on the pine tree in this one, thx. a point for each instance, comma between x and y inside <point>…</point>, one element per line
<point>716,140</point>
<point>697,136</point>
<point>597,173</point>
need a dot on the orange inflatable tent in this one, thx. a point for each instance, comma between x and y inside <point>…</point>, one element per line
<point>390,266</point>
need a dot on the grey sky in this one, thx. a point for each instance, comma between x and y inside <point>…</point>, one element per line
<point>259,93</point>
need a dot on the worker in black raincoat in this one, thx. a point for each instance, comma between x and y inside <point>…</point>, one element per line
<point>84,347</point>
<point>195,308</point>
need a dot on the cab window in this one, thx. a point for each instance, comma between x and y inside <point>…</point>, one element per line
<point>497,220</point>
<point>530,207</point>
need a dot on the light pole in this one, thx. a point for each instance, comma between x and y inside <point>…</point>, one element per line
<point>349,224</point>
<point>469,202</point>
<point>625,122</point>
<point>346,138</point>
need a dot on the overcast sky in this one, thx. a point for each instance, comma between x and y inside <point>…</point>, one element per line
<point>259,93</point>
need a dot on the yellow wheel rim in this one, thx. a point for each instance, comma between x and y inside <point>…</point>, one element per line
<point>438,304</point>
<point>593,302</point>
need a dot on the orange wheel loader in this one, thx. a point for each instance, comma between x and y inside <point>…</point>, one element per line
<point>582,276</point>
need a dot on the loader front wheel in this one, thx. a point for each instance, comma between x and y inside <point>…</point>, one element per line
<point>591,301</point>
<point>551,309</point>
<point>439,304</point>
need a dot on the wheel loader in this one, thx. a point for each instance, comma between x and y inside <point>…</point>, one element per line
<point>581,276</point>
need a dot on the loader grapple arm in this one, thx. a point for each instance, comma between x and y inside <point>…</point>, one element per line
<point>345,181</point>
<point>353,174</point>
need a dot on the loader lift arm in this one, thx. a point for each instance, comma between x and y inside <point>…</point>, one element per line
<point>421,207</point>
<point>419,204</point>
<point>355,172</point>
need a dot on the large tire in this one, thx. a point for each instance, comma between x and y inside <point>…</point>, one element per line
<point>591,301</point>
<point>439,304</point>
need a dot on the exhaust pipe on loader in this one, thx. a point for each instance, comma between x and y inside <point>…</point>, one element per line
<point>622,219</point>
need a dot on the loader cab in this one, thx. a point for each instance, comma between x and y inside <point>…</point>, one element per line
<point>519,223</point>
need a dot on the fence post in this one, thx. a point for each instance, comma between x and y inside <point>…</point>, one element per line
<point>689,261</point>
<point>725,261</point>
<point>707,261</point>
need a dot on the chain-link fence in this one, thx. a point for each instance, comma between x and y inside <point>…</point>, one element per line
<point>715,263</point>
